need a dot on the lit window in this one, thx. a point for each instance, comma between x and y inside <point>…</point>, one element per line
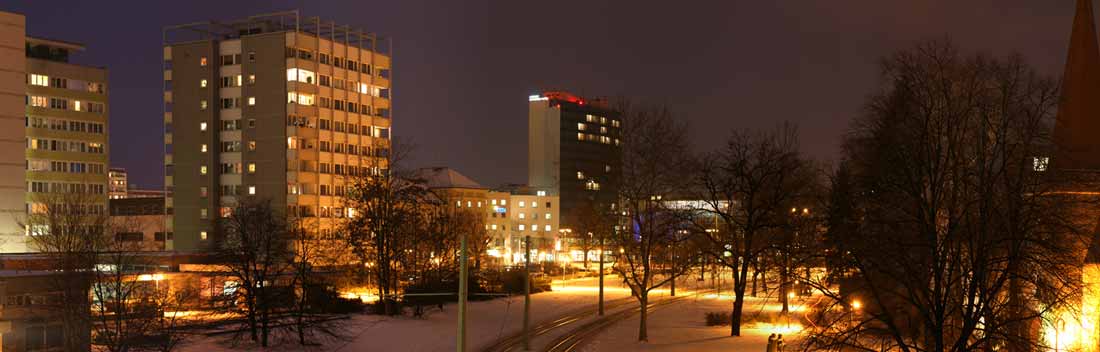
<point>202,170</point>
<point>76,105</point>
<point>251,168</point>
<point>503,202</point>
<point>251,79</point>
<point>251,145</point>
<point>469,204</point>
<point>203,213</point>
<point>580,126</point>
<point>202,235</point>
<point>202,104</point>
<point>522,204</point>
<point>580,136</point>
<point>202,83</point>
<point>541,193</point>
<point>40,80</point>
<point>607,168</point>
<point>251,101</point>
<point>458,204</point>
<point>580,175</point>
<point>202,126</point>
<point>238,80</point>
<point>479,204</point>
<point>493,202</point>
<point>252,190</point>
<point>1041,163</point>
<point>522,227</point>
<point>603,129</point>
<point>534,204</point>
<point>202,61</point>
<point>203,148</point>
<point>493,226</point>
<point>547,216</point>
<point>547,228</point>
<point>522,215</point>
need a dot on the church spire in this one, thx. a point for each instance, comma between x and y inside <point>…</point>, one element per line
<point>1077,129</point>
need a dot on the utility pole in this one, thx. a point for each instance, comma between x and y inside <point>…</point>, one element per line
<point>601,251</point>
<point>464,277</point>
<point>527,293</point>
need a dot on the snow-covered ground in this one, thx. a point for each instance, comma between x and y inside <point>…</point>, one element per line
<point>676,327</point>
<point>681,327</point>
<point>487,321</point>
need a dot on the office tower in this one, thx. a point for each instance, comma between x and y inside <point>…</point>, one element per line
<point>273,107</point>
<point>573,152</point>
<point>55,140</point>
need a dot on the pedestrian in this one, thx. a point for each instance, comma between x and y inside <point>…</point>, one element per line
<point>779,344</point>
<point>771,343</point>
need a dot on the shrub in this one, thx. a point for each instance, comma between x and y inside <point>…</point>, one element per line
<point>718,318</point>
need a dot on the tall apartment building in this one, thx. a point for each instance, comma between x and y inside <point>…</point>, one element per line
<point>573,151</point>
<point>273,107</point>
<point>62,145</point>
<point>117,183</point>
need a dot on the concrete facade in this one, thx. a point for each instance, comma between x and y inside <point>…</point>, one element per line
<point>274,111</point>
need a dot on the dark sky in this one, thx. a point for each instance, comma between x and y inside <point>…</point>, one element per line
<point>463,69</point>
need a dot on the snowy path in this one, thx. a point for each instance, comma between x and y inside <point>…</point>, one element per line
<point>680,327</point>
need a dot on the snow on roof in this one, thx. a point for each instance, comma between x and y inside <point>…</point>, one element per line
<point>445,177</point>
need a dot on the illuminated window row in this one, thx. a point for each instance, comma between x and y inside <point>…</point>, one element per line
<point>64,104</point>
<point>57,145</point>
<point>64,83</point>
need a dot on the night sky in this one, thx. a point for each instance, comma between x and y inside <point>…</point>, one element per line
<point>463,69</point>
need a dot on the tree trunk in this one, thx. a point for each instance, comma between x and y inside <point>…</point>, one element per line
<point>643,298</point>
<point>252,317</point>
<point>735,316</point>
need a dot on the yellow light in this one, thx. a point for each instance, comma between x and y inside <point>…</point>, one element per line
<point>495,253</point>
<point>790,294</point>
<point>857,305</point>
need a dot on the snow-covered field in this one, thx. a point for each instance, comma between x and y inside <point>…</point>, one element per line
<point>486,322</point>
<point>676,327</point>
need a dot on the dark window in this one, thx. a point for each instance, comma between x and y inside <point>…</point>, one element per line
<point>129,236</point>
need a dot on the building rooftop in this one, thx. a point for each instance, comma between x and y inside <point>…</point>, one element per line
<point>276,22</point>
<point>445,177</point>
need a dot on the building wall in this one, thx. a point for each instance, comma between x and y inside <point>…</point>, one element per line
<point>544,145</point>
<point>12,132</point>
<point>193,172</point>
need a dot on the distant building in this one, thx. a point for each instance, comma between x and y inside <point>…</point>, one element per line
<point>511,214</point>
<point>276,107</point>
<point>61,147</point>
<point>140,223</point>
<point>574,151</point>
<point>117,183</point>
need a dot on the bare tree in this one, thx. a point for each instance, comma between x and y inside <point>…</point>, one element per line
<point>654,150</point>
<point>257,254</point>
<point>70,227</point>
<point>747,189</point>
<point>387,205</point>
<point>950,238</point>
